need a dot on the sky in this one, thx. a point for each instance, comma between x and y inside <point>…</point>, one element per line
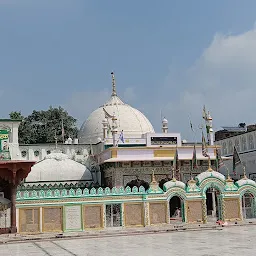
<point>169,56</point>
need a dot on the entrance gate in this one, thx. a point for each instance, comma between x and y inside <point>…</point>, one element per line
<point>113,215</point>
<point>248,206</point>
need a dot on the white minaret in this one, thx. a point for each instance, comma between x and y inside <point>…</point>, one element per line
<point>114,130</point>
<point>165,125</point>
<point>208,124</point>
<point>105,128</point>
<point>210,130</point>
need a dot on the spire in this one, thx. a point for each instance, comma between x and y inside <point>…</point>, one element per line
<point>113,84</point>
<point>245,177</point>
<point>173,174</point>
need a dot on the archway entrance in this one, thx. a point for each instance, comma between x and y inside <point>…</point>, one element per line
<point>5,205</point>
<point>176,209</point>
<point>213,204</point>
<point>248,206</point>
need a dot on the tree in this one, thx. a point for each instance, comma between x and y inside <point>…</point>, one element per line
<point>42,126</point>
<point>16,115</point>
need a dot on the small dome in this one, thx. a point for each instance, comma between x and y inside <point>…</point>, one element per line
<point>58,168</point>
<point>165,121</point>
<point>210,174</point>
<point>245,181</point>
<point>172,183</point>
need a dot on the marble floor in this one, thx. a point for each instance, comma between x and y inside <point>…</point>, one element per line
<point>229,241</point>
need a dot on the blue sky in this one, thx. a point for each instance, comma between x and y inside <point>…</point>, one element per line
<point>169,55</point>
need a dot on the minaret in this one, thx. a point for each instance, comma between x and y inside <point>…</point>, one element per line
<point>209,128</point>
<point>165,125</point>
<point>210,138</point>
<point>114,130</point>
<point>113,84</point>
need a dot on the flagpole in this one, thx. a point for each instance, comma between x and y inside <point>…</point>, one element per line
<point>62,130</point>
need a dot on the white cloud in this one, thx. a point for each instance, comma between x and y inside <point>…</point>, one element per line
<point>223,78</point>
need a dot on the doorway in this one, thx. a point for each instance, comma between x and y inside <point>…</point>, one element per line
<point>5,206</point>
<point>176,209</point>
<point>113,215</point>
<point>213,204</point>
<point>248,206</point>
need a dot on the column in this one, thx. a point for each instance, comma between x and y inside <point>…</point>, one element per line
<point>213,203</point>
<point>13,208</point>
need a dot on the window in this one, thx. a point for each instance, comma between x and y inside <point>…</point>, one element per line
<point>36,153</point>
<point>48,152</point>
<point>230,147</point>
<point>237,144</point>
<point>24,153</point>
<point>244,146</point>
<point>224,146</point>
<point>251,142</point>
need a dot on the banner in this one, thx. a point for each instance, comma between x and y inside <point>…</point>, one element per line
<point>4,145</point>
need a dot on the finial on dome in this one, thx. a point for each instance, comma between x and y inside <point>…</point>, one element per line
<point>153,177</point>
<point>173,175</point>
<point>113,84</point>
<point>209,164</point>
<point>245,177</point>
<point>229,179</point>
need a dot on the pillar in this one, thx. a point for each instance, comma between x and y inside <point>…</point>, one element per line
<point>13,208</point>
<point>213,203</point>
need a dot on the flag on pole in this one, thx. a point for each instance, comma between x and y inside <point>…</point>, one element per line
<point>219,161</point>
<point>236,160</point>
<point>204,147</point>
<point>191,126</point>
<point>121,137</point>
<point>194,160</point>
<point>62,130</point>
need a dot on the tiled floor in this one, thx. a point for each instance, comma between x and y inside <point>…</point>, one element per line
<point>229,241</point>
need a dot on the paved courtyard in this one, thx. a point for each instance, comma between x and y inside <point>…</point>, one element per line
<point>229,241</point>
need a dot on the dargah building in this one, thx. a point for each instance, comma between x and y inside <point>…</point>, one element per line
<point>118,173</point>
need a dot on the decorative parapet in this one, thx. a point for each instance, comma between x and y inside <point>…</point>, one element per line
<point>78,193</point>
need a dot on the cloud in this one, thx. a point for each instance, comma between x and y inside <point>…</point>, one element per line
<point>223,78</point>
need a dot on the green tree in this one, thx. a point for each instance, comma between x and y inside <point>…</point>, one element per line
<point>16,115</point>
<point>41,126</point>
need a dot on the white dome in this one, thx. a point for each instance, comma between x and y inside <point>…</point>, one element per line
<point>210,174</point>
<point>245,181</point>
<point>171,183</point>
<point>129,120</point>
<point>57,168</point>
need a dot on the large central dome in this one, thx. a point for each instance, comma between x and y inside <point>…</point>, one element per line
<point>130,120</point>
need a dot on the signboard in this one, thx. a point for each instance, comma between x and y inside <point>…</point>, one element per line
<point>164,140</point>
<point>4,145</point>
